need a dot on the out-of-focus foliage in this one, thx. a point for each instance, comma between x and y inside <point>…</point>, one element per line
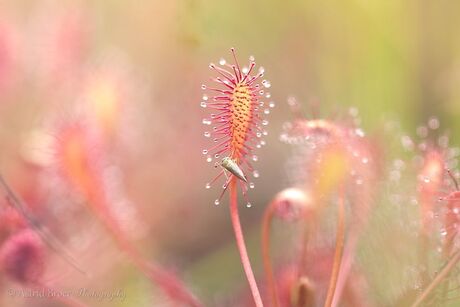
<point>143,62</point>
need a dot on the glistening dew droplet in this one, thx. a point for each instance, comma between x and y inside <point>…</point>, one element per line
<point>359,132</point>
<point>353,111</point>
<point>236,116</point>
<point>422,131</point>
<point>433,123</point>
<point>407,142</point>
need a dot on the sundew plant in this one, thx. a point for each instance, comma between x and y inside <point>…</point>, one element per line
<point>207,153</point>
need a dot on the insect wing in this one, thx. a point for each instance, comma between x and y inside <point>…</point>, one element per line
<point>233,168</point>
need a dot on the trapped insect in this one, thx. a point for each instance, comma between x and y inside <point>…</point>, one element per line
<point>237,119</point>
<point>231,166</point>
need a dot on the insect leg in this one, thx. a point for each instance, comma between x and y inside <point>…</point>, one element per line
<point>225,187</point>
<point>217,177</point>
<point>244,188</point>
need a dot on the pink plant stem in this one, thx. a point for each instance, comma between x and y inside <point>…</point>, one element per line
<point>168,282</point>
<point>345,267</point>
<point>449,226</point>
<point>340,241</point>
<point>241,245</point>
<point>308,232</point>
<point>438,279</point>
<point>425,240</point>
<point>266,226</point>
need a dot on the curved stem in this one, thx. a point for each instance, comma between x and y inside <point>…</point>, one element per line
<point>308,231</point>
<point>266,226</point>
<point>425,228</point>
<point>449,226</point>
<point>346,265</point>
<point>438,279</point>
<point>170,284</point>
<point>241,245</point>
<point>340,240</point>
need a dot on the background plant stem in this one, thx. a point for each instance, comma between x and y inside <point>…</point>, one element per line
<point>266,226</point>
<point>340,240</point>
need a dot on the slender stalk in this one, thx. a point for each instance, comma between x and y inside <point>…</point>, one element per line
<point>266,226</point>
<point>345,266</point>
<point>241,245</point>
<point>42,231</point>
<point>438,279</point>
<point>424,241</point>
<point>168,282</point>
<point>308,231</point>
<point>449,224</point>
<point>340,240</point>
